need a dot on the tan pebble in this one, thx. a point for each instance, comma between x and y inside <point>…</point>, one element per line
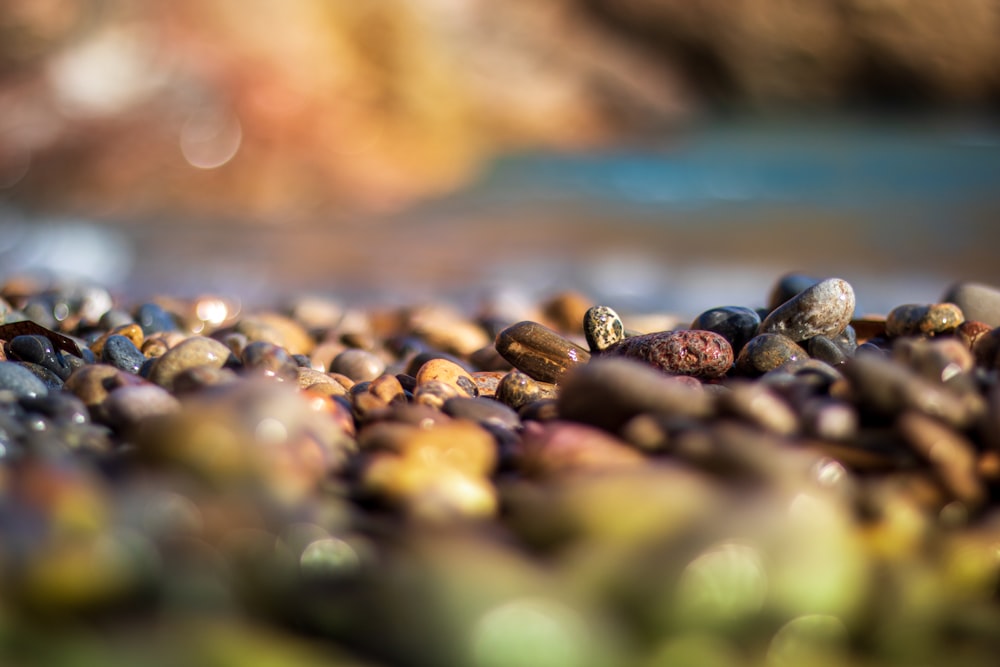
<point>448,372</point>
<point>565,311</point>
<point>92,383</point>
<point>434,393</point>
<point>923,320</point>
<point>516,389</point>
<point>359,365</point>
<point>194,352</point>
<point>154,347</point>
<point>446,329</point>
<point>323,354</point>
<point>321,402</point>
<point>311,378</point>
<point>341,379</point>
<point>389,389</point>
<point>278,329</point>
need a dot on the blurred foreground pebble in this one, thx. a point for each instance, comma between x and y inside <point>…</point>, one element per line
<point>323,485</point>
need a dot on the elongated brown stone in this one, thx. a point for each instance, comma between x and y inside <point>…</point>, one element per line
<point>539,352</point>
<point>701,354</point>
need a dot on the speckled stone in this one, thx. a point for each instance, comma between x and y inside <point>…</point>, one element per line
<point>39,350</point>
<point>539,352</point>
<point>122,353</point>
<point>734,323</point>
<point>923,320</point>
<point>602,328</point>
<point>766,352</point>
<point>517,389</point>
<point>825,309</point>
<point>19,380</point>
<point>450,373</point>
<point>700,354</point>
<point>977,301</point>
<point>194,352</point>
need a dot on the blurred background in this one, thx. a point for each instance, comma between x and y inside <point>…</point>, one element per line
<point>654,154</point>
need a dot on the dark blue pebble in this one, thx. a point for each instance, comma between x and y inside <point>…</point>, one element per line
<point>734,323</point>
<point>122,353</point>
<point>21,381</point>
<point>50,379</point>
<point>146,367</point>
<point>39,350</point>
<point>153,319</point>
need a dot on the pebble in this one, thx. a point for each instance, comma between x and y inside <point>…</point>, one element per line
<point>979,302</point>
<point>766,352</point>
<point>734,323</point>
<point>38,350</point>
<point>700,354</point>
<point>539,352</point>
<point>516,389</point>
<point>825,309</point>
<point>194,352</point>
<point>121,352</point>
<point>597,501</point>
<point>153,318</point>
<point>609,391</point>
<point>789,286</point>
<point>359,365</point>
<point>602,327</point>
<point>22,382</point>
<point>923,320</point>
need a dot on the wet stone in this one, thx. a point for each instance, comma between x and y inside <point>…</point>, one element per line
<point>517,389</point>
<point>38,350</point>
<point>192,353</point>
<point>359,365</point>
<point>825,349</point>
<point>767,352</point>
<point>22,382</point>
<point>700,354</point>
<point>269,360</point>
<point>923,320</point>
<point>539,352</point>
<point>825,309</point>
<point>122,353</point>
<point>734,323</point>
<point>977,301</point>
<point>449,373</point>
<point>482,411</point>
<point>970,331</point>
<point>602,328</point>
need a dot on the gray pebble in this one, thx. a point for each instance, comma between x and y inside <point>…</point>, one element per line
<point>22,382</point>
<point>825,309</point>
<point>979,302</point>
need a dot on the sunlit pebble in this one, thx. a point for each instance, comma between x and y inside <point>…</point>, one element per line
<point>728,580</point>
<point>329,556</point>
<point>209,140</point>
<point>271,430</point>
<point>950,371</point>
<point>214,311</point>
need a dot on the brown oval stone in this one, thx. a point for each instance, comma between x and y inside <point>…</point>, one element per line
<point>696,353</point>
<point>448,372</point>
<point>923,319</point>
<point>539,351</point>
<point>193,352</point>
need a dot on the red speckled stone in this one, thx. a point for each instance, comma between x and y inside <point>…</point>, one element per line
<point>700,354</point>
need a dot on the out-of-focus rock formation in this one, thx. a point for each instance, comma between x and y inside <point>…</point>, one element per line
<point>283,110</point>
